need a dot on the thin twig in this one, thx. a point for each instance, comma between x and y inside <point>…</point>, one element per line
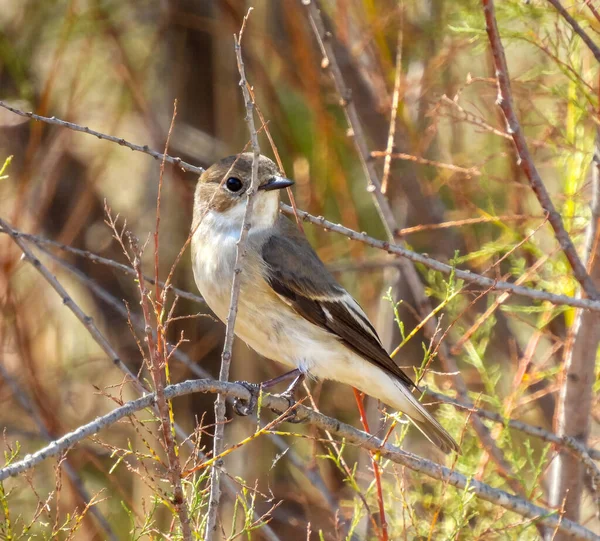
<point>577,28</point>
<point>382,205</point>
<point>343,431</point>
<point>88,323</point>
<point>505,101</point>
<point>467,276</point>
<point>126,269</point>
<point>391,248</point>
<point>219,437</point>
<point>395,101</point>
<point>71,472</point>
<point>158,358</point>
<point>197,370</point>
<point>119,140</point>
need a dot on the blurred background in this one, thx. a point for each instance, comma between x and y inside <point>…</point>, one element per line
<point>456,190</point>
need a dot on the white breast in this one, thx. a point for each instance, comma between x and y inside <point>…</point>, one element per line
<point>213,260</point>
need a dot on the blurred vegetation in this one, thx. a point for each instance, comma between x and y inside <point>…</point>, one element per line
<point>117,66</point>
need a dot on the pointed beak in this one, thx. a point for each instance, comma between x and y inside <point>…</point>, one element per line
<point>276,183</point>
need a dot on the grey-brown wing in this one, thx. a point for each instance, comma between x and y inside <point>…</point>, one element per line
<point>296,273</point>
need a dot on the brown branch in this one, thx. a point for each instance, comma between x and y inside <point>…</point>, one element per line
<point>382,204</point>
<point>40,242</point>
<point>71,472</point>
<point>197,370</point>
<point>575,398</point>
<point>577,28</point>
<point>386,246</point>
<point>342,431</point>
<point>158,359</point>
<point>219,437</point>
<point>505,101</point>
<point>118,140</point>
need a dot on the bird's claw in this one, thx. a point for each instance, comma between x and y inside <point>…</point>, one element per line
<point>291,413</point>
<point>246,407</point>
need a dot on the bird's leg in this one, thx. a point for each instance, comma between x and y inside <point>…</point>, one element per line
<point>279,379</point>
<point>246,407</point>
<point>288,394</point>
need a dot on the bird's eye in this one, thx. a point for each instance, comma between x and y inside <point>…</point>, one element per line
<point>234,184</point>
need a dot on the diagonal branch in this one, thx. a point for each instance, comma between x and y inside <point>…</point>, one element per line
<point>382,204</point>
<point>391,248</point>
<point>535,431</point>
<point>505,101</point>
<point>99,338</point>
<point>71,472</point>
<point>467,276</point>
<point>343,431</point>
<point>118,140</point>
<point>577,28</point>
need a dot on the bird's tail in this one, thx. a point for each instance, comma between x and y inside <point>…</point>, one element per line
<point>425,422</point>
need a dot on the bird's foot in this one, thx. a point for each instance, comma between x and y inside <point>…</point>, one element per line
<point>291,412</point>
<point>246,407</point>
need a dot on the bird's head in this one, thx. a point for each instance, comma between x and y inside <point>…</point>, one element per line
<point>223,190</point>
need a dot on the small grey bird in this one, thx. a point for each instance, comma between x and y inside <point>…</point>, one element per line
<point>291,309</point>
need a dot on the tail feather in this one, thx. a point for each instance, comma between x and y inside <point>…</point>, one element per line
<point>427,425</point>
<point>436,434</point>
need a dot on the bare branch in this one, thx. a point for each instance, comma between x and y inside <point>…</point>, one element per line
<point>577,28</point>
<point>575,399</point>
<point>219,438</point>
<point>104,344</point>
<point>71,472</point>
<point>535,431</point>
<point>505,101</point>
<point>119,140</point>
<point>343,431</point>
<point>486,283</point>
<point>467,276</point>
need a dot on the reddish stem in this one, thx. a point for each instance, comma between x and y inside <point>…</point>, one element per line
<point>376,470</point>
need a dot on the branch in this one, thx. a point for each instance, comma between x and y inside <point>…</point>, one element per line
<point>505,102</point>
<point>196,369</point>
<point>219,437</point>
<point>119,140</point>
<point>409,271</point>
<point>576,394</point>
<point>40,242</point>
<point>87,321</point>
<point>72,474</point>
<point>343,431</point>
<point>467,276</point>
<point>577,28</point>
<point>486,283</point>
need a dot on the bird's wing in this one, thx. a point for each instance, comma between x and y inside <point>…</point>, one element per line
<point>300,278</point>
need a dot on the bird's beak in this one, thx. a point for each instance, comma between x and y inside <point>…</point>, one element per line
<point>276,183</point>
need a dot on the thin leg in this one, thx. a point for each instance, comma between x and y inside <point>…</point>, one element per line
<point>295,384</point>
<point>289,395</point>
<point>280,379</point>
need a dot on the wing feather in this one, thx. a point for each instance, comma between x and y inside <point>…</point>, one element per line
<point>299,277</point>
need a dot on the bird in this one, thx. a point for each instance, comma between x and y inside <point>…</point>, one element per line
<point>291,309</point>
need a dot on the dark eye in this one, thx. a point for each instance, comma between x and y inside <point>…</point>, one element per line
<point>234,184</point>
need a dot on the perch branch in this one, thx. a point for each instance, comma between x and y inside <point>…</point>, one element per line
<point>343,431</point>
